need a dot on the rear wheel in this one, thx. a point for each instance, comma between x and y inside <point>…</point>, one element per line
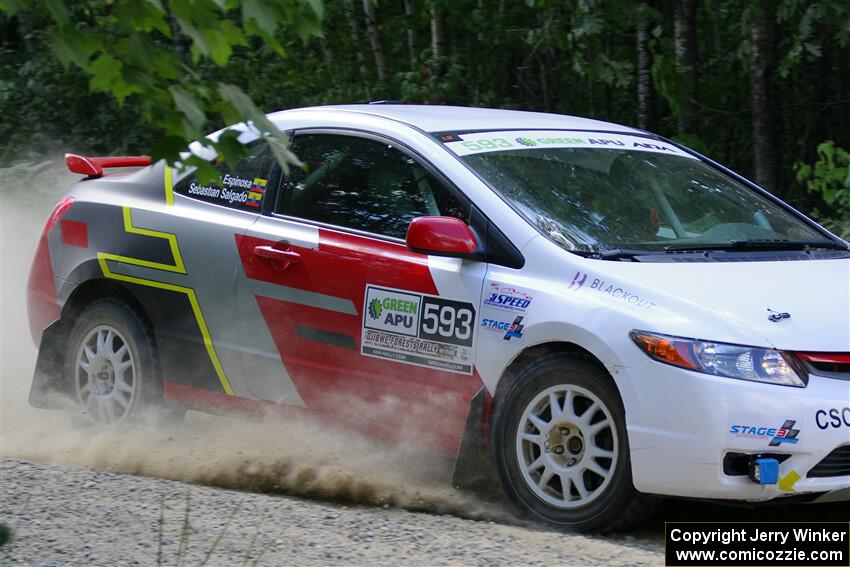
<point>562,449</point>
<point>110,362</point>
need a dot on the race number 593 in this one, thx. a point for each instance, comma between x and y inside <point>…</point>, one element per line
<point>447,321</point>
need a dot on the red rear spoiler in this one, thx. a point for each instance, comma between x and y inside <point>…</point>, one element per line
<point>94,166</point>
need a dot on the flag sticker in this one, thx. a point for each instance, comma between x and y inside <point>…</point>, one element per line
<point>256,192</point>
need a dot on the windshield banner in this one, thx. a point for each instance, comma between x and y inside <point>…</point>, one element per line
<point>481,142</point>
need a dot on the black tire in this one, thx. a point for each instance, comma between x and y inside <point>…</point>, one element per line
<point>566,446</point>
<point>102,393</point>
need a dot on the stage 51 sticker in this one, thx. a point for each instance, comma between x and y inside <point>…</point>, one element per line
<point>418,329</point>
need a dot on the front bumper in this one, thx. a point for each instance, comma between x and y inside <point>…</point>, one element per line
<point>681,424</point>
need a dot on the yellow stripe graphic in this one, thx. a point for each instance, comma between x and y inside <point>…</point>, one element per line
<point>103,258</point>
<point>178,266</point>
<point>169,185</point>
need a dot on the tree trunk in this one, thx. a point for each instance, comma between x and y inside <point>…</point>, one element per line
<point>375,40</point>
<point>436,32</point>
<point>330,61</point>
<point>477,61</point>
<point>409,12</point>
<point>684,32</point>
<point>645,89</point>
<point>544,86</point>
<point>351,16</point>
<point>764,147</point>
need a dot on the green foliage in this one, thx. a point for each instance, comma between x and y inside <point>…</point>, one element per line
<point>116,76</point>
<point>829,179</point>
<point>148,54</point>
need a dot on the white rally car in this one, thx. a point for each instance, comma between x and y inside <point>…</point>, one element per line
<point>595,313</point>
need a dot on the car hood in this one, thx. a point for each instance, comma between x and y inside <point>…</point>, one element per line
<point>732,302</point>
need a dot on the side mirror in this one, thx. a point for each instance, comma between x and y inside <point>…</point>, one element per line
<point>441,236</point>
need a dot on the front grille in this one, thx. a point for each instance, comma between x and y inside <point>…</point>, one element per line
<point>831,367</point>
<point>836,463</point>
<point>827,364</point>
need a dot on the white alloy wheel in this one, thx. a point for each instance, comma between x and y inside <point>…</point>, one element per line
<point>106,378</point>
<point>567,446</point>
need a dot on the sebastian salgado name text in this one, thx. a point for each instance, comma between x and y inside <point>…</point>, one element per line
<point>756,534</point>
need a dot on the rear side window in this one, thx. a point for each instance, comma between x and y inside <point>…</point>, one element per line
<point>242,186</point>
<point>363,184</point>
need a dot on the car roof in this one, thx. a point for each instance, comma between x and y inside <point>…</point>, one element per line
<point>435,118</point>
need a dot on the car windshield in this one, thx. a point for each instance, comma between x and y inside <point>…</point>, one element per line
<point>597,192</point>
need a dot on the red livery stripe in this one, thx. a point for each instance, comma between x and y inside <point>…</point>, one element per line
<point>334,379</point>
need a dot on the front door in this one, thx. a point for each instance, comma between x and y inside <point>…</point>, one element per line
<point>362,327</point>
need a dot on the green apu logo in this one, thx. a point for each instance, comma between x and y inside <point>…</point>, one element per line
<point>375,308</point>
<point>526,141</point>
<point>394,311</point>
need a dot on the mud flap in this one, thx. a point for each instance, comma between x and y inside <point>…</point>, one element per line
<point>474,468</point>
<point>48,378</point>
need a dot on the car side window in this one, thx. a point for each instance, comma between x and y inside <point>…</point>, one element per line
<point>363,184</point>
<point>243,185</point>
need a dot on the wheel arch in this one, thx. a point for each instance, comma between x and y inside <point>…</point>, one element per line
<point>474,465</point>
<point>100,288</point>
<point>48,375</point>
<point>530,353</point>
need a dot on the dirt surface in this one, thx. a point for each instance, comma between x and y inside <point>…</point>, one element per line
<point>74,516</point>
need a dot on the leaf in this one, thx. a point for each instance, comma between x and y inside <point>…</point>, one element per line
<point>188,106</point>
<point>169,148</point>
<point>812,48</point>
<point>12,7</point>
<point>319,7</point>
<point>122,89</point>
<point>244,106</point>
<point>222,39</point>
<point>261,13</point>
<point>58,12</point>
<point>229,147</point>
<point>105,72</point>
<point>199,44</point>
<point>305,28</point>
<point>252,29</point>
<point>69,46</point>
<point>205,172</point>
<point>281,151</point>
<point>144,15</point>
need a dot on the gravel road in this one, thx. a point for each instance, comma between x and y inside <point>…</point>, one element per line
<point>73,516</point>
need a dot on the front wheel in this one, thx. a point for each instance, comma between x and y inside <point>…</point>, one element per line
<point>110,362</point>
<point>562,450</point>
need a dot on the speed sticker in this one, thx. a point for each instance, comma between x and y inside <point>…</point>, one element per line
<point>419,329</point>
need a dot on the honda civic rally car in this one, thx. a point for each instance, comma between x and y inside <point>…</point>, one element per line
<point>591,313</point>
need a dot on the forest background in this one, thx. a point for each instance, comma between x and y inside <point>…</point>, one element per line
<point>762,86</point>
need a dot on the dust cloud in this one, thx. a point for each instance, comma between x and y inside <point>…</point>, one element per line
<point>290,456</point>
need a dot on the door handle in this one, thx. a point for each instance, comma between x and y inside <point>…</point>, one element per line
<point>276,254</point>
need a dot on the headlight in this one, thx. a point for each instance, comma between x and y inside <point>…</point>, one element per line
<point>720,359</point>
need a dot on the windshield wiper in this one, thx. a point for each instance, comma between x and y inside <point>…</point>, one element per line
<point>757,244</point>
<point>620,253</point>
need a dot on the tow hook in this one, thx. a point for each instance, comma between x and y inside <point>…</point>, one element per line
<point>763,470</point>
